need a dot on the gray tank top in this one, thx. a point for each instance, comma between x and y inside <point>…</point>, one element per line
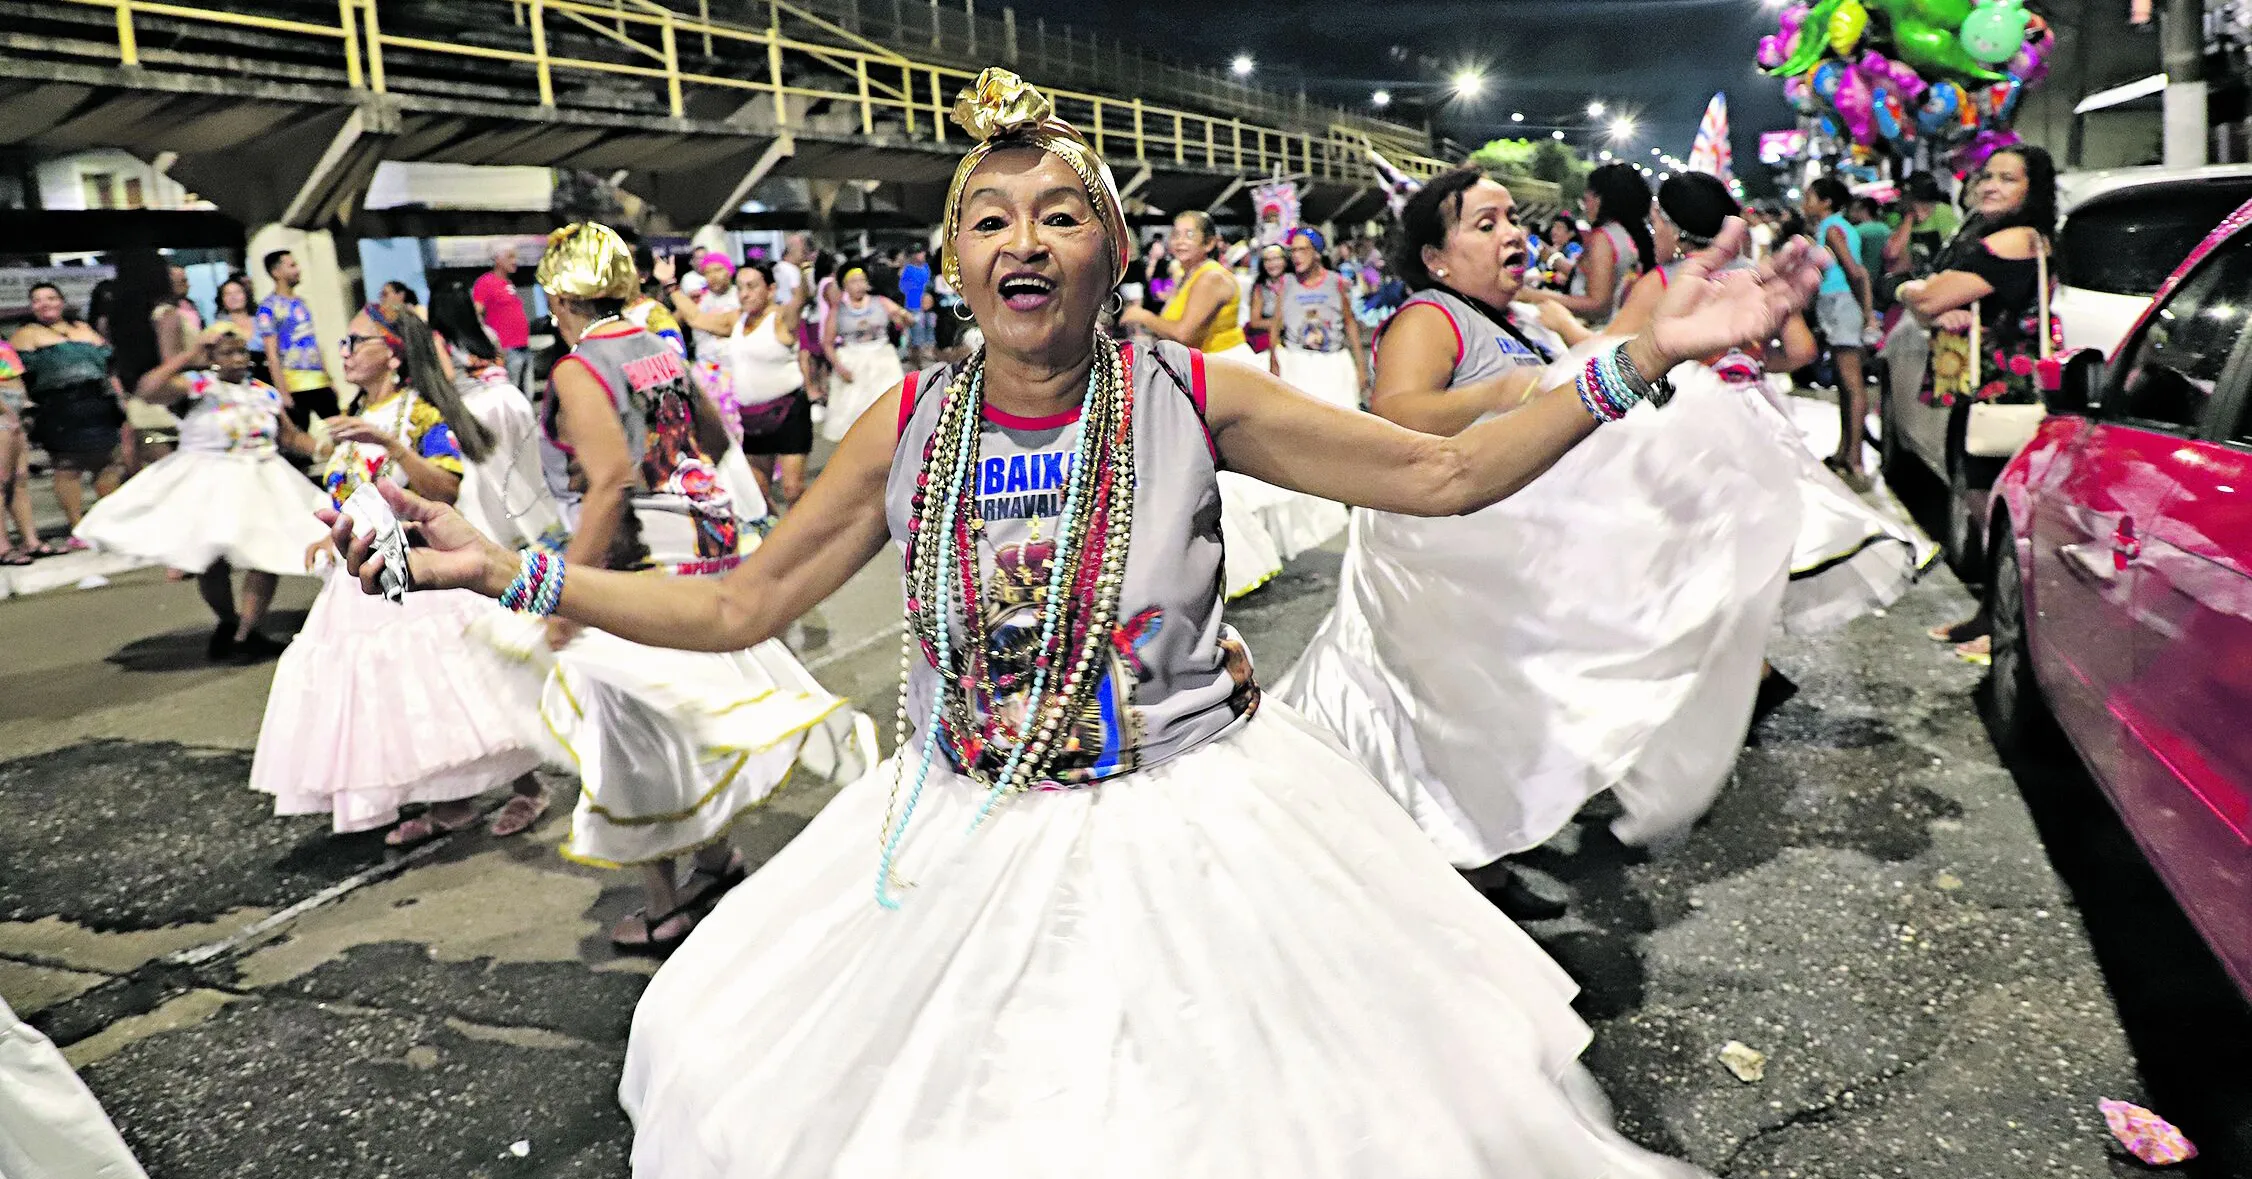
<point>1628,264</point>
<point>1313,318</point>
<point>676,482</point>
<point>1741,367</point>
<point>1483,348</point>
<point>1175,675</point>
<point>862,325</point>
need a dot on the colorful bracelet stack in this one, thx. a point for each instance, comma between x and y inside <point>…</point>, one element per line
<point>538,586</point>
<point>1610,385</point>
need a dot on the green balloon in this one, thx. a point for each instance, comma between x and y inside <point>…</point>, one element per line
<point>1995,32</point>
<point>1935,51</point>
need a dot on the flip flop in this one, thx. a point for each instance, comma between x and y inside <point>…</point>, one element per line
<point>16,558</point>
<point>1984,658</point>
<point>506,822</point>
<point>649,943</point>
<point>422,829</point>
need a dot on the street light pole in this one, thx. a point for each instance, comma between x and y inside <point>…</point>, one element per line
<point>2181,39</point>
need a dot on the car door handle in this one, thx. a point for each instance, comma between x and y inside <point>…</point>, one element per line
<point>2087,567</point>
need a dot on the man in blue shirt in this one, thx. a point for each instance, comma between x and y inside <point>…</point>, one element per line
<point>914,290</point>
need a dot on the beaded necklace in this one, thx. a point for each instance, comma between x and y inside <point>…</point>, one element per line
<point>1079,604</point>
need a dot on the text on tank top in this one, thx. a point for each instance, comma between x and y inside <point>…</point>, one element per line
<point>649,387</point>
<point>1740,367</point>
<point>1173,676</point>
<point>1483,348</point>
<point>1313,318</point>
<point>865,324</point>
<point>1225,330</point>
<point>764,367</point>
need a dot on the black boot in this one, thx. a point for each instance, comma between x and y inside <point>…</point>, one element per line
<point>255,647</point>
<point>1510,893</point>
<point>222,644</point>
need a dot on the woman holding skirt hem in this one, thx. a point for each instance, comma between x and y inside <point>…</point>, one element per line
<point>1126,922</point>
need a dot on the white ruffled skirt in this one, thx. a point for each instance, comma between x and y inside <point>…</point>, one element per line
<point>672,747</point>
<point>193,508</point>
<point>1850,558</point>
<point>1330,376</point>
<point>875,368</point>
<point>1261,525</point>
<point>375,706</point>
<point>1241,963</point>
<point>1602,629</point>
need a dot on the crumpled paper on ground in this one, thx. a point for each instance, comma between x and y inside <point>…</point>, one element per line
<point>2147,1136</point>
<point>1748,1063</point>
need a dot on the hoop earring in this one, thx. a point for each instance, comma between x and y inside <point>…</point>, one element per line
<point>1115,306</point>
<point>962,311</point>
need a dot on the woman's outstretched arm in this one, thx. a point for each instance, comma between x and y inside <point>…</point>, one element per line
<point>835,530</point>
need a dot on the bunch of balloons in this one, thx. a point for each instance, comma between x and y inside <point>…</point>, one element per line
<point>1945,72</point>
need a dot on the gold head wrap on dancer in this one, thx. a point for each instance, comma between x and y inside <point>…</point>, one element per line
<point>588,260</point>
<point>1001,110</point>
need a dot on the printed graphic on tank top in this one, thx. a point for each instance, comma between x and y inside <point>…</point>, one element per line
<point>1313,318</point>
<point>1173,675</point>
<point>649,386</point>
<point>1483,348</point>
<point>866,324</point>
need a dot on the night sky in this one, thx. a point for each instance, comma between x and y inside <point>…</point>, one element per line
<point>1661,59</point>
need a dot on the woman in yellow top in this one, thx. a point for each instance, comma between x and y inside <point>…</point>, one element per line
<point>1206,309</point>
<point>1261,525</point>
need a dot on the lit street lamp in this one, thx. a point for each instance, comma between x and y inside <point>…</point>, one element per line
<point>1595,110</point>
<point>1380,99</point>
<point>1242,66</point>
<point>1469,83</point>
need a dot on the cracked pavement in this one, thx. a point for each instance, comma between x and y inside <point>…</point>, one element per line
<point>1875,904</point>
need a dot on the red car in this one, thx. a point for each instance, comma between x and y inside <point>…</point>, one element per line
<point>2123,611</point>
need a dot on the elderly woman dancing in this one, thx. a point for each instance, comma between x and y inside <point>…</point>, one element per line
<point>1126,921</point>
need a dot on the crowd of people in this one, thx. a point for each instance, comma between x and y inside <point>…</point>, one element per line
<point>1121,892</point>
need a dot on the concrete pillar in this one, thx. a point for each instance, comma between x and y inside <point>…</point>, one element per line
<point>2181,37</point>
<point>325,283</point>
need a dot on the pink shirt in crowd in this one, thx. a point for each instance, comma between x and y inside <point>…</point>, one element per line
<point>504,312</point>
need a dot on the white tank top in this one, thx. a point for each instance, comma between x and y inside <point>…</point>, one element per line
<point>765,368</point>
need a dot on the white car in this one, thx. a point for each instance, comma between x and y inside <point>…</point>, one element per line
<point>2124,230</point>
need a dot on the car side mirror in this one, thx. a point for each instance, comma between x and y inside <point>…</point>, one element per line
<point>2074,388</point>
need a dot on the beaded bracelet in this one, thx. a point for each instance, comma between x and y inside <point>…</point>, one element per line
<point>1657,393</point>
<point>538,586</point>
<point>1603,394</point>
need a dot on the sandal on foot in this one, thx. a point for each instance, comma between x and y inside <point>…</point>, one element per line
<point>422,829</point>
<point>1957,632</point>
<point>518,814</point>
<point>718,883</point>
<point>16,557</point>
<point>1978,652</point>
<point>652,940</point>
<point>42,549</point>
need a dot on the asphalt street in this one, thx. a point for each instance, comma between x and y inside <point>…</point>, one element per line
<point>1946,962</point>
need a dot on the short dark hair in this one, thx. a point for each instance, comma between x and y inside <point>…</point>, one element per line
<point>1833,192</point>
<point>274,259</point>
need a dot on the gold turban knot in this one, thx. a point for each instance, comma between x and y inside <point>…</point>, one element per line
<point>588,260</point>
<point>1003,110</point>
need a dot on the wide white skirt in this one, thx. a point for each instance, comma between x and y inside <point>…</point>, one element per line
<point>375,706</point>
<point>1240,963</point>
<point>1330,376</point>
<point>1850,558</point>
<point>875,369</point>
<point>192,508</point>
<point>50,1125</point>
<point>1261,525</point>
<point>671,747</point>
<point>1600,630</point>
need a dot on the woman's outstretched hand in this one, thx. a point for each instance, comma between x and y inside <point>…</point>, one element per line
<point>452,555</point>
<point>1707,309</point>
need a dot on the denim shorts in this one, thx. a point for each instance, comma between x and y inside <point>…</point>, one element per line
<point>1839,316</point>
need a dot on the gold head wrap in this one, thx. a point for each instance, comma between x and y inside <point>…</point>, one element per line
<point>221,330</point>
<point>1002,110</point>
<point>588,260</point>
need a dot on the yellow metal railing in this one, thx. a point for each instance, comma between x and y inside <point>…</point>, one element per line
<point>878,83</point>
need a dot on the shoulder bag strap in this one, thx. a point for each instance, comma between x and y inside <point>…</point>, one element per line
<point>2041,265</point>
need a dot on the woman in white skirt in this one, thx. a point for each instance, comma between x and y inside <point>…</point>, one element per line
<point>225,499</point>
<point>1117,918</point>
<point>1601,630</point>
<point>1264,525</point>
<point>1317,348</point>
<point>671,748</point>
<point>863,362</point>
<point>1848,558</point>
<point>377,706</point>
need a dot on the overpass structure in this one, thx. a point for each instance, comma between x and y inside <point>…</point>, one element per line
<point>279,111</point>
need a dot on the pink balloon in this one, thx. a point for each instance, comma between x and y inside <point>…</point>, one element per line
<point>1897,77</point>
<point>1770,51</point>
<point>1856,107</point>
<point>1973,155</point>
<point>1791,18</point>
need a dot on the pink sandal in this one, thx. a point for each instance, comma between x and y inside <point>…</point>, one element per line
<point>518,814</point>
<point>422,829</point>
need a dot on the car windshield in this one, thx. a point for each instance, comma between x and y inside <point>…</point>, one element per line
<point>2128,242</point>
